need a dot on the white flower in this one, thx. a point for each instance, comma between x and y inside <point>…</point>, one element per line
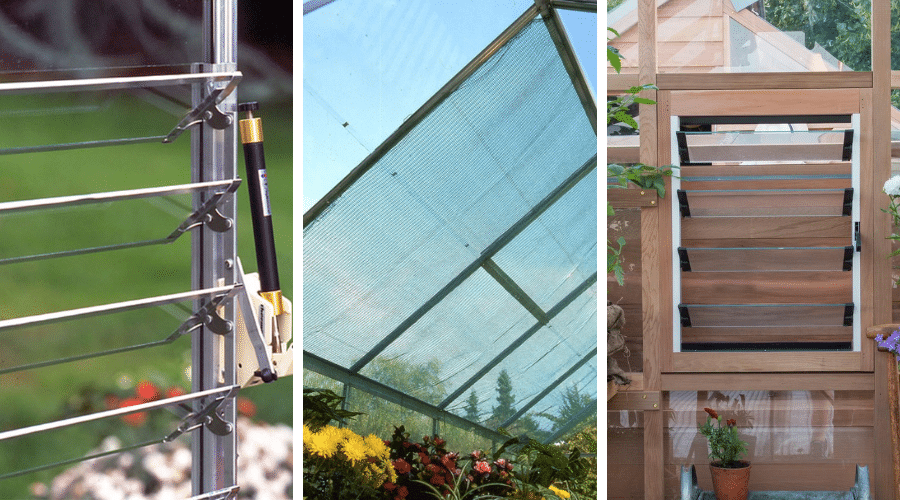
<point>892,186</point>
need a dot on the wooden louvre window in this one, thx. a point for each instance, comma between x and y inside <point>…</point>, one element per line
<point>765,225</point>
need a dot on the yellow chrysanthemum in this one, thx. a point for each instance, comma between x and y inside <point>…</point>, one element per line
<point>307,434</point>
<point>354,448</point>
<point>376,447</point>
<point>325,442</point>
<point>560,493</point>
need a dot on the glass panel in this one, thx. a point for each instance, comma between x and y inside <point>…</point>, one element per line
<point>625,455</point>
<point>771,259</point>
<point>106,221</point>
<point>73,36</point>
<point>363,79</point>
<point>764,315</point>
<point>707,36</point>
<point>52,338</point>
<point>797,440</point>
<point>767,202</point>
<point>381,416</point>
<point>736,146</point>
<point>581,28</point>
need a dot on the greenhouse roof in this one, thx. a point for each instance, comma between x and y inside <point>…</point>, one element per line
<point>467,241</point>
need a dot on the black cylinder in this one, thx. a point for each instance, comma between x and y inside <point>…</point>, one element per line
<point>261,213</point>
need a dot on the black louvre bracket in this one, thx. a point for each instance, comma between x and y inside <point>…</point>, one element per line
<point>683,257</point>
<point>683,203</point>
<point>848,145</point>
<point>683,154</point>
<point>848,202</point>
<point>848,258</point>
<point>685,317</point>
<point>857,238</point>
<point>848,314</point>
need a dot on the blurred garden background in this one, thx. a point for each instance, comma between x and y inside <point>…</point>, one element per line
<point>121,35</point>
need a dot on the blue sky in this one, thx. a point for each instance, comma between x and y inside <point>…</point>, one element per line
<point>368,65</point>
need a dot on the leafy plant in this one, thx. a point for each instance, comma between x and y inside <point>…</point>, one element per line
<point>725,447</point>
<point>321,406</point>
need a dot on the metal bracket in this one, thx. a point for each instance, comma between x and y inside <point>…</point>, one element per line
<point>266,371</point>
<point>207,315</point>
<point>848,145</point>
<point>848,258</point>
<point>848,314</point>
<point>208,214</point>
<point>683,257</point>
<point>225,494</point>
<point>683,203</point>
<point>685,316</point>
<point>857,237</point>
<point>206,416</point>
<point>207,111</point>
<point>848,202</point>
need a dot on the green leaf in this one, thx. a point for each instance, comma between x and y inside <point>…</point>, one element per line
<point>614,60</point>
<point>621,241</point>
<point>625,118</point>
<point>643,100</point>
<point>613,31</point>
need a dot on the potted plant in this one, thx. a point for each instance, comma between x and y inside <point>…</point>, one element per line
<point>731,476</point>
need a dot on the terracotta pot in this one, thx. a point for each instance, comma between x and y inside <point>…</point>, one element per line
<point>731,483</point>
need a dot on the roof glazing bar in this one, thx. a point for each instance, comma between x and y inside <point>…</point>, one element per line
<point>517,26</point>
<point>579,417</point>
<point>515,290</point>
<point>562,378</point>
<point>570,61</point>
<point>341,374</point>
<point>579,5</point>
<point>574,294</point>
<point>488,252</point>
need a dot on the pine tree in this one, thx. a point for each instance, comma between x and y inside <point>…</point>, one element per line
<point>472,407</point>
<point>505,399</point>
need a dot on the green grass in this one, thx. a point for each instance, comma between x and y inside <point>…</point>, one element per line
<point>40,395</point>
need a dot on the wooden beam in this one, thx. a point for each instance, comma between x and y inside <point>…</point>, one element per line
<point>630,198</point>
<point>759,81</point>
<point>763,102</point>
<point>618,83</point>
<point>762,362</point>
<point>768,381</point>
<point>635,400</point>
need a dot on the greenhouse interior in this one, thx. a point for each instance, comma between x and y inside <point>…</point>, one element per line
<point>752,224</point>
<point>450,268</point>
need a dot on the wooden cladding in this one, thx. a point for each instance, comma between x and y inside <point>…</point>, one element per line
<point>764,102</point>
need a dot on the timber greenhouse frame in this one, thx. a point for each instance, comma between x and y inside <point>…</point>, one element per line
<point>462,250</point>
<point>758,284</point>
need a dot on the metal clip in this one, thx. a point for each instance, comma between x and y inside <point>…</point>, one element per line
<point>207,111</point>
<point>207,316</point>
<point>206,416</point>
<point>208,214</point>
<point>224,494</point>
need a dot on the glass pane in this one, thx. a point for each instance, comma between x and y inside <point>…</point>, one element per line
<point>625,455</point>
<point>809,440</point>
<point>767,202</point>
<point>736,146</point>
<point>73,36</point>
<point>772,259</point>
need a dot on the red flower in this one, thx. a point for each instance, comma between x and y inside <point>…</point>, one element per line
<point>424,458</point>
<point>390,486</point>
<point>438,441</point>
<point>731,422</point>
<point>402,492</point>
<point>133,419</point>
<point>503,463</point>
<point>712,413</point>
<point>482,467</point>
<point>146,392</point>
<point>401,466</point>
<point>449,461</point>
<point>174,392</point>
<point>437,479</point>
<point>246,407</point>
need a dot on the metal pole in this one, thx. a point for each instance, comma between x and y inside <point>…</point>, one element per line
<point>214,157</point>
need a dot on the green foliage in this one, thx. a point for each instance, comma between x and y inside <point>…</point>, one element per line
<point>645,176</point>
<point>321,406</point>
<point>573,403</point>
<point>472,407</point>
<point>505,398</point>
<point>612,54</point>
<point>842,27</point>
<point>725,446</point>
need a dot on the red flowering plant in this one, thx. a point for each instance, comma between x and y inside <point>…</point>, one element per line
<point>427,469</point>
<point>725,447</point>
